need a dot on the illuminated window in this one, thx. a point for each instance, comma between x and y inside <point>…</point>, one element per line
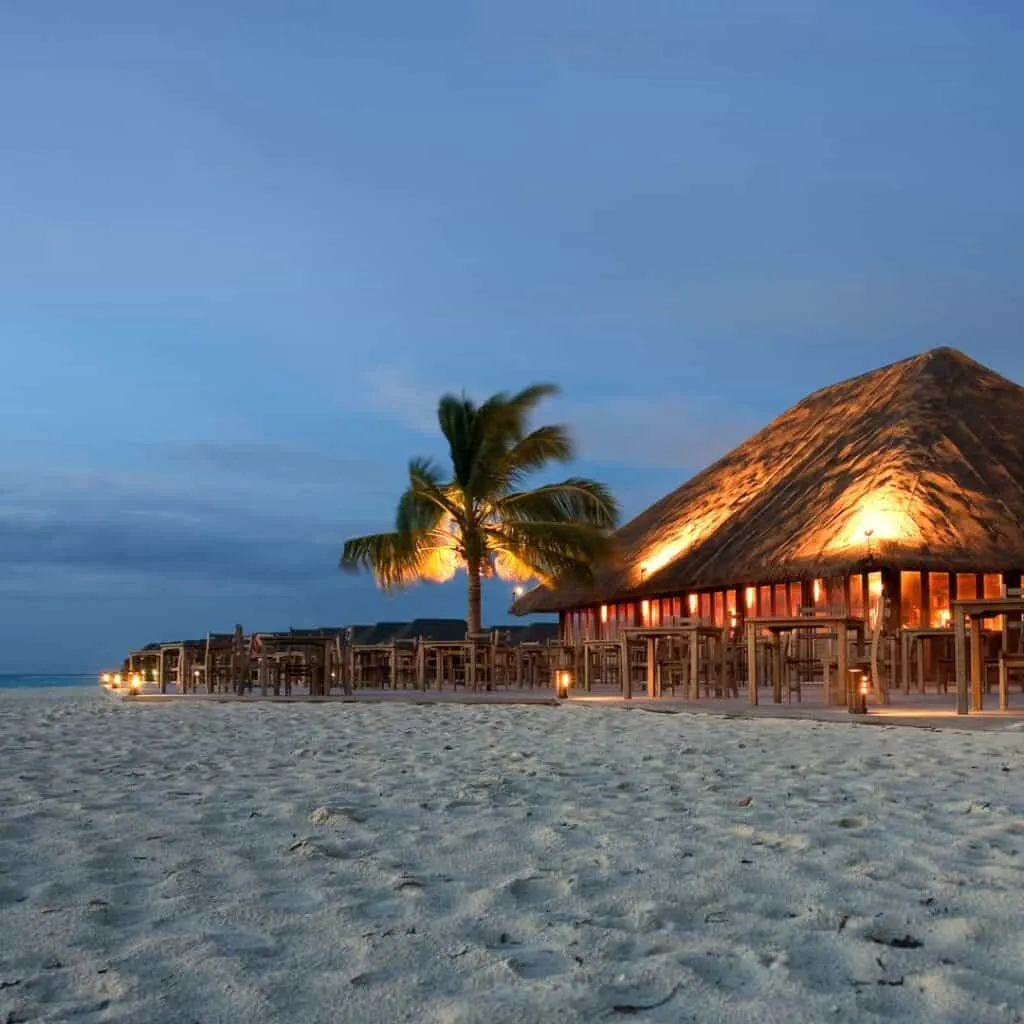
<point>750,596</point>
<point>938,600</point>
<point>910,599</point>
<point>818,593</point>
<point>705,607</point>
<point>966,586</point>
<point>796,599</point>
<point>992,586</point>
<point>719,613</point>
<point>876,598</point>
<point>604,613</point>
<point>730,606</point>
<point>857,596</point>
<point>764,600</point>
<point>781,599</point>
<point>693,604</point>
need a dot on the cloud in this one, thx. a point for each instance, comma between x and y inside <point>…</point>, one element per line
<point>655,430</point>
<point>237,516</point>
<point>400,394</point>
<point>257,459</point>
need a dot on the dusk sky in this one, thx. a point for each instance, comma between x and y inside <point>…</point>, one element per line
<point>244,247</point>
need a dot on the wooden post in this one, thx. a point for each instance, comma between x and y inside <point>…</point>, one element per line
<point>839,694</point>
<point>920,645</point>
<point>652,667</point>
<point>695,663</point>
<point>960,657</point>
<point>751,662</point>
<point>977,665</point>
<point>264,667</point>
<point>183,669</point>
<point>627,675</point>
<point>1004,700</point>
<point>777,668</point>
<point>907,648</point>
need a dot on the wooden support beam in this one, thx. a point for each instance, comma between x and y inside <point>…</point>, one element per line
<point>977,665</point>
<point>751,662</point>
<point>960,657</point>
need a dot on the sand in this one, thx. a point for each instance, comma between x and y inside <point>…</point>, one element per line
<point>451,864</point>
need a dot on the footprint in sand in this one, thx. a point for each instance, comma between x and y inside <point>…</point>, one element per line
<point>534,964</point>
<point>534,889</point>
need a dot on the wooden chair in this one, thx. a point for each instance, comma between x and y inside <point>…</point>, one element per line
<point>673,664</point>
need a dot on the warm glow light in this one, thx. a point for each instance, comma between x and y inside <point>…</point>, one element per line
<point>751,596</point>
<point>563,679</point>
<point>692,602</point>
<point>604,613</point>
<point>876,587</point>
<point>106,677</point>
<point>945,617</point>
<point>645,610</point>
<point>117,678</point>
<point>865,686</point>
<point>885,515</point>
<point>690,532</point>
<point>817,591</point>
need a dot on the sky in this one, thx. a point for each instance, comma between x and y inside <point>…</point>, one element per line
<point>246,245</point>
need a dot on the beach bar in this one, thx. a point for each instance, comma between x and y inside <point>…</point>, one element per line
<point>874,531</point>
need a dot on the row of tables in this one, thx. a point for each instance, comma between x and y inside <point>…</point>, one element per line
<point>528,661</point>
<point>968,616</point>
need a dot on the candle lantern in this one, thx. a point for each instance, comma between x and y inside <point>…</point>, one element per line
<point>857,692</point>
<point>563,682</point>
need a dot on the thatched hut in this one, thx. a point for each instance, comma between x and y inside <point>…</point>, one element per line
<point>907,480</point>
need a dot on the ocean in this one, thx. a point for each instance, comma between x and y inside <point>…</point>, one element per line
<point>27,682</point>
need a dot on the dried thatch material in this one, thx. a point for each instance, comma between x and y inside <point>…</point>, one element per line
<point>927,454</point>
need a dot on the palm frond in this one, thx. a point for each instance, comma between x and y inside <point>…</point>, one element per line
<point>530,453</point>
<point>574,500</point>
<point>399,559</point>
<point>502,431</point>
<point>553,550</point>
<point>521,404</point>
<point>393,558</point>
<point>458,418</point>
<point>425,502</point>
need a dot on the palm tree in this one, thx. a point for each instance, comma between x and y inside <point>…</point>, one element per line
<point>479,519</point>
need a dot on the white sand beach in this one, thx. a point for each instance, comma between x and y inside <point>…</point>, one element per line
<point>216,863</point>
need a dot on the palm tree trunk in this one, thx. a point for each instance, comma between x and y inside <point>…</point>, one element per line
<point>473,617</point>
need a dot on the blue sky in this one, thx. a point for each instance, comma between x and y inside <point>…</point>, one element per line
<point>244,246</point>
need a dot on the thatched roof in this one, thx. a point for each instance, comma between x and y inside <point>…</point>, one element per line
<point>927,453</point>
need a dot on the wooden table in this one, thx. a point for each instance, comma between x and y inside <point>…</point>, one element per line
<point>686,629</point>
<point>913,640</point>
<point>841,624</point>
<point>977,608</point>
<point>602,646</point>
